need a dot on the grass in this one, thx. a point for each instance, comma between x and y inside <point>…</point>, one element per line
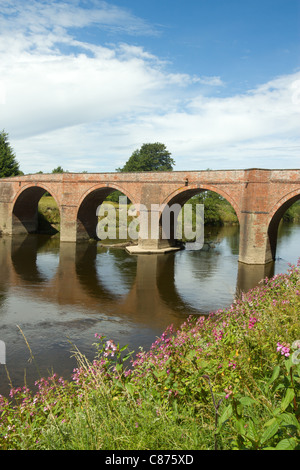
<point>229,381</point>
<point>48,215</point>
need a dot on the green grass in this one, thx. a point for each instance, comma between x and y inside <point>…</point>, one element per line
<point>221,382</point>
<point>217,212</point>
<point>221,213</point>
<point>48,215</point>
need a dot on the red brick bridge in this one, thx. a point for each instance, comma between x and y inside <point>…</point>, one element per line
<point>259,197</point>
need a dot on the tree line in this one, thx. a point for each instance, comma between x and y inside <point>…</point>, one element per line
<point>150,157</point>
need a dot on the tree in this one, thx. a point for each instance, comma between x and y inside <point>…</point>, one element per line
<point>216,208</point>
<point>150,157</point>
<point>59,169</point>
<point>8,163</point>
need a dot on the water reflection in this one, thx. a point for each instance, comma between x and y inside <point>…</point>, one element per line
<point>115,282</point>
<point>63,293</point>
<point>250,275</point>
<point>26,258</point>
<point>288,242</point>
<point>99,275</point>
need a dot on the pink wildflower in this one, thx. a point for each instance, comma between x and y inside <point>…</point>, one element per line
<point>228,391</point>
<point>252,321</point>
<point>110,348</point>
<point>284,349</point>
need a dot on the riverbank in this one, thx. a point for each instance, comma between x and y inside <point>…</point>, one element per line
<point>229,381</point>
<point>217,212</point>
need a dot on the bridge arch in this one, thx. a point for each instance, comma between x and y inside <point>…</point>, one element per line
<point>87,208</point>
<point>25,207</point>
<point>183,194</point>
<point>276,214</point>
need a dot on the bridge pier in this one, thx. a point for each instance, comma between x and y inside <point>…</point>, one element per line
<point>152,238</point>
<point>151,247</point>
<point>5,218</point>
<point>255,247</point>
<point>68,223</point>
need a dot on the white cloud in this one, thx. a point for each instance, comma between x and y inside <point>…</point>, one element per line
<point>87,106</point>
<point>48,92</point>
<point>258,128</point>
<point>37,17</point>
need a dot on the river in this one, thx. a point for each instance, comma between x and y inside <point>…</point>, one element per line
<point>59,295</point>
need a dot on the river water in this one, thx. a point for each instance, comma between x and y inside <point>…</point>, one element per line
<point>58,295</point>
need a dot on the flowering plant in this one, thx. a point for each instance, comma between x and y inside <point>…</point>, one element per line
<point>282,430</point>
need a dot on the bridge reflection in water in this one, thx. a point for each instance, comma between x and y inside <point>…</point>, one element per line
<point>62,292</point>
<point>81,274</point>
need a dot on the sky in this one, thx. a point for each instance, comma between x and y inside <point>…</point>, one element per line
<point>84,83</point>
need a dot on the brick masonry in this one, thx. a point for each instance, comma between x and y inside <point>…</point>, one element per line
<point>259,197</point>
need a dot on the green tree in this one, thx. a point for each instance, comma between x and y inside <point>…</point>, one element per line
<point>8,163</point>
<point>150,157</point>
<point>59,169</point>
<point>215,207</point>
<point>293,213</point>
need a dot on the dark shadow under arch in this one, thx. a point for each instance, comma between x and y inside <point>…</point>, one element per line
<point>25,216</point>
<point>87,218</point>
<point>90,273</point>
<point>180,198</point>
<point>24,258</point>
<point>274,223</point>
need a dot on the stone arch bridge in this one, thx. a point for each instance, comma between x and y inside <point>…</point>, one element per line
<point>259,197</point>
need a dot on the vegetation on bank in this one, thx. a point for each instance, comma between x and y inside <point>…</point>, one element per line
<point>227,381</point>
<point>217,211</point>
<point>293,213</point>
<point>48,215</point>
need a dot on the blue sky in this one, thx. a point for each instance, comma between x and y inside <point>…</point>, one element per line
<point>246,42</point>
<point>85,83</point>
